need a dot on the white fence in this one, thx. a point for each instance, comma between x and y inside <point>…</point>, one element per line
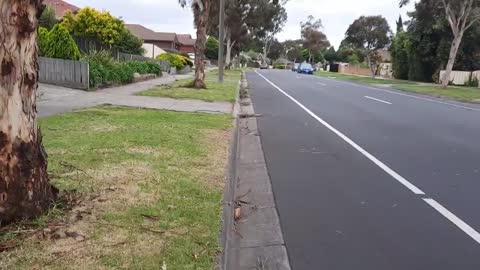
<point>62,72</point>
<point>460,77</point>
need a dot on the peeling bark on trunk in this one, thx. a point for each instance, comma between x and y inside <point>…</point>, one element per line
<point>201,21</point>
<point>451,59</point>
<point>25,191</point>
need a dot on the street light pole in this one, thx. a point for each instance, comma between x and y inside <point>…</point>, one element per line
<point>221,38</point>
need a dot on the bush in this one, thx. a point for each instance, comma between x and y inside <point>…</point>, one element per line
<point>42,40</point>
<point>211,51</point>
<point>280,66</point>
<point>105,71</point>
<point>59,44</point>
<point>176,60</point>
<point>472,81</point>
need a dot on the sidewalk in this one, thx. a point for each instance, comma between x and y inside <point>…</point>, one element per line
<point>54,99</point>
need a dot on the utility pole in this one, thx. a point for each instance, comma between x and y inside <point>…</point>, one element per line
<point>221,39</point>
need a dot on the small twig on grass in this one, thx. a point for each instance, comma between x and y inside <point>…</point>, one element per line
<point>152,230</point>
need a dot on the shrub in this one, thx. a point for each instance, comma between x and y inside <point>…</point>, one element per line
<point>280,66</point>
<point>105,71</point>
<point>472,81</point>
<point>154,68</point>
<point>176,60</point>
<point>101,57</point>
<point>60,44</point>
<point>211,51</point>
<point>42,40</point>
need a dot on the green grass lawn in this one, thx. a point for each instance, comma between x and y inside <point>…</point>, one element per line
<point>151,184</point>
<point>466,94</point>
<point>361,79</point>
<point>215,91</point>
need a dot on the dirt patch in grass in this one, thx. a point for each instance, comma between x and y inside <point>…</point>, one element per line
<point>147,195</point>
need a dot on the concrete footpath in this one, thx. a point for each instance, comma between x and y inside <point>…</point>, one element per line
<point>54,99</point>
<point>253,237</point>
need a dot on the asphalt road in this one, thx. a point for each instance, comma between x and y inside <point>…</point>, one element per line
<point>370,178</point>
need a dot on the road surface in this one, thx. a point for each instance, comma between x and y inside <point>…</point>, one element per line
<point>369,178</point>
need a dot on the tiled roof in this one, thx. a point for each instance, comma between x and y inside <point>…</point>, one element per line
<point>186,39</point>
<point>147,34</point>
<point>60,7</point>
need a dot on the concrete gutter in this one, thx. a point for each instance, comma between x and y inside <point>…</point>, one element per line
<point>252,237</point>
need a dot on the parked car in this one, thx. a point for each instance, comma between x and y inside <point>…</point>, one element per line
<point>295,67</point>
<point>305,68</point>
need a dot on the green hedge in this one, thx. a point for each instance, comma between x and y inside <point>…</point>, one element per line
<point>58,44</point>
<point>105,71</point>
<point>279,66</point>
<point>176,60</point>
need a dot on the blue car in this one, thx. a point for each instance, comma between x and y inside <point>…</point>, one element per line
<point>305,68</point>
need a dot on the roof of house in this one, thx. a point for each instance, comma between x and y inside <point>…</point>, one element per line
<point>186,39</point>
<point>147,34</point>
<point>60,7</point>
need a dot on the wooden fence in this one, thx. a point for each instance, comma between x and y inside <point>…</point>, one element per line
<point>62,72</point>
<point>460,77</point>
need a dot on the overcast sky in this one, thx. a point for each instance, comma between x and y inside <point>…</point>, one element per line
<point>337,15</point>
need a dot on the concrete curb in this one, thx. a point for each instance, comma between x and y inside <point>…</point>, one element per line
<point>251,237</point>
<point>228,196</point>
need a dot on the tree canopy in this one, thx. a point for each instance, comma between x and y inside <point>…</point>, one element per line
<point>369,34</point>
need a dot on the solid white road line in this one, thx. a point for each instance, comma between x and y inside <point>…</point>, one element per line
<point>379,100</point>
<point>454,219</point>
<point>407,95</point>
<point>380,164</point>
<point>322,84</point>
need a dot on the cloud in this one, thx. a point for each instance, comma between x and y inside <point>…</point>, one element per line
<point>337,15</point>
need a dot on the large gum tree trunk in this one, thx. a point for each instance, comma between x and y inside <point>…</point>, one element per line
<point>201,21</point>
<point>25,191</point>
<point>451,59</point>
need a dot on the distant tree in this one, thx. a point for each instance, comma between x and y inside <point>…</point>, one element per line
<point>293,50</point>
<point>314,40</point>
<point>276,50</point>
<point>212,48</point>
<point>430,39</point>
<point>400,24</point>
<point>369,34</point>
<point>48,18</point>
<point>331,55</point>
<point>129,43</point>
<point>88,22</point>
<point>461,15</point>
<point>399,51</point>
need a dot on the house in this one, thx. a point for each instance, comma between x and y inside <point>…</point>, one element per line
<point>60,7</point>
<point>186,43</point>
<point>165,41</point>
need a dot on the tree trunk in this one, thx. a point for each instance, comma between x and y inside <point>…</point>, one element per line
<point>25,191</point>
<point>201,21</point>
<point>228,57</point>
<point>451,58</point>
<point>372,68</point>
